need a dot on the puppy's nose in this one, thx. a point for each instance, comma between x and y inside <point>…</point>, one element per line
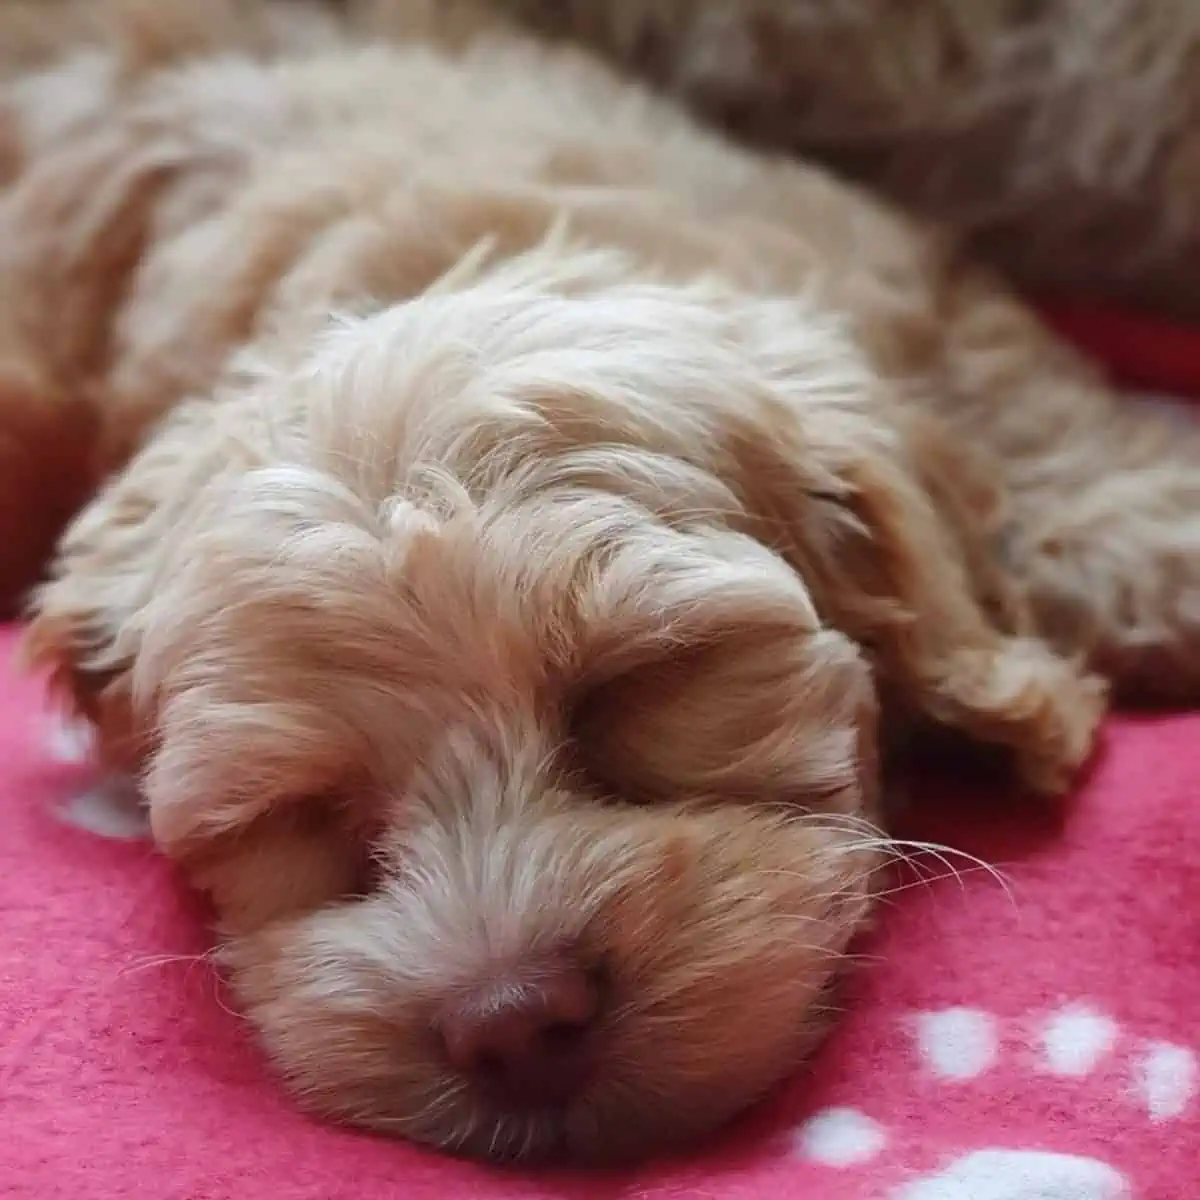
<point>527,1038</point>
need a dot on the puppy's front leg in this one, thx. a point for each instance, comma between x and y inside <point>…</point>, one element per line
<point>1105,495</point>
<point>891,572</point>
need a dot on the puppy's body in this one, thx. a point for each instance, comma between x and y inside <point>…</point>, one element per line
<point>516,641</point>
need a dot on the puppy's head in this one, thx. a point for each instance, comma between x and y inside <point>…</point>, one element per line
<point>540,784</point>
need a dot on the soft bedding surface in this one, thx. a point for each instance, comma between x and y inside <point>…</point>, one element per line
<point>1033,1041</point>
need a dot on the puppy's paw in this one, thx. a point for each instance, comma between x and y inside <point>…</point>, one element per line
<point>1023,696</point>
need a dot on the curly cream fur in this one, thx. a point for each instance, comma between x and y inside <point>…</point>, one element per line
<point>1061,138</point>
<point>516,520</point>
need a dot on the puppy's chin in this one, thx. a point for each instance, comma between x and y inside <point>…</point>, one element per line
<point>714,934</point>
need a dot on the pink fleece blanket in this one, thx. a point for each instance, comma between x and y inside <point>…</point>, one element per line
<point>1034,1043</point>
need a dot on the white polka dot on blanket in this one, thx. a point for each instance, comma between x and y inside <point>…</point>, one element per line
<point>1167,1080</point>
<point>1020,1175</point>
<point>1075,1039</point>
<point>840,1137</point>
<point>957,1043</point>
<point>110,807</point>
<point>68,742</point>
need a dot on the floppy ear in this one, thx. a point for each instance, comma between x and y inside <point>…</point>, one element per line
<point>226,607</point>
<point>709,675</point>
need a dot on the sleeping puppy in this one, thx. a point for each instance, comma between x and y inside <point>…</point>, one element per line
<point>511,522</point>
